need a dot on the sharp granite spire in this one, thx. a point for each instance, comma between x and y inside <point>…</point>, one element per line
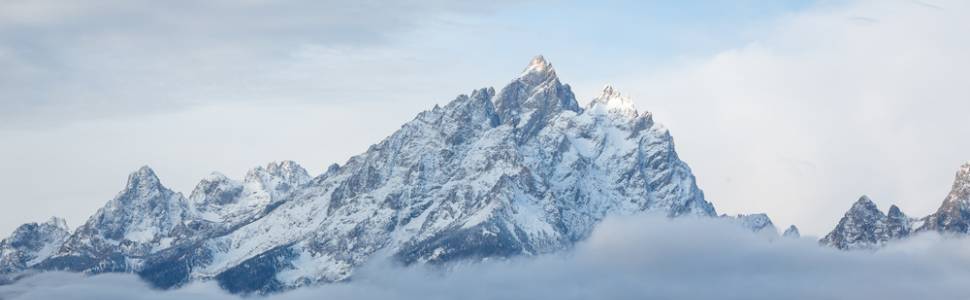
<point>611,101</point>
<point>532,99</point>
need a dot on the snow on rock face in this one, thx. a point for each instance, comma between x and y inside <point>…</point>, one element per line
<point>31,243</point>
<point>144,217</point>
<point>954,214</point>
<point>865,227</point>
<point>612,102</point>
<point>791,232</point>
<point>759,222</point>
<point>222,200</point>
<point>521,171</point>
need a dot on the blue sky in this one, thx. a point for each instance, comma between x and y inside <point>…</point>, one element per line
<point>794,108</point>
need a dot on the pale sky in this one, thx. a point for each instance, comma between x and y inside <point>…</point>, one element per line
<point>793,108</point>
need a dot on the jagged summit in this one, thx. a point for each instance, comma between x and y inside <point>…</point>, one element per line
<point>530,101</point>
<point>220,199</point>
<point>286,168</point>
<point>864,226</point>
<point>538,71</point>
<point>611,101</point>
<point>864,205</point>
<point>143,178</point>
<point>538,65</point>
<point>57,222</point>
<point>758,222</point>
<point>895,212</point>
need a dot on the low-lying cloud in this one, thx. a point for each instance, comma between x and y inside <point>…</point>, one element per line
<point>625,258</point>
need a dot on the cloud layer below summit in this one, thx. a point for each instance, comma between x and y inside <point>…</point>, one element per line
<point>698,259</point>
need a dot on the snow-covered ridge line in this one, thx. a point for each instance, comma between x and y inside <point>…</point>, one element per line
<point>522,170</point>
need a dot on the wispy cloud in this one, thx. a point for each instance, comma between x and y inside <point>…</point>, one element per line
<point>72,60</point>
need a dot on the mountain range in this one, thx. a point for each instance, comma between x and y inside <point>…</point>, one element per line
<point>520,171</point>
<point>864,226</point>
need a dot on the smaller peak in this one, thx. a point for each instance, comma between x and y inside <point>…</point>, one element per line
<point>964,171</point>
<point>57,222</point>
<point>864,204</point>
<point>755,222</point>
<point>286,164</point>
<point>287,170</point>
<point>333,168</point>
<point>280,167</point>
<point>144,176</point>
<point>215,176</point>
<point>612,101</point>
<point>791,232</point>
<point>895,212</point>
<point>609,90</point>
<point>483,93</point>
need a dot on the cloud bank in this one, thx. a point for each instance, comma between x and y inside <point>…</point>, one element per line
<point>825,105</point>
<point>625,258</point>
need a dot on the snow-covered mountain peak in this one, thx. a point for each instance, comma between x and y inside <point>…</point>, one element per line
<point>791,232</point>
<point>538,71</point>
<point>530,101</point>
<point>755,222</point>
<point>611,101</point>
<point>57,223</point>
<point>895,212</point>
<point>143,180</point>
<point>864,226</point>
<point>538,64</point>
<point>287,170</point>
<point>215,189</point>
<point>864,204</point>
<point>278,177</point>
<point>961,184</point>
<point>31,243</point>
<point>954,214</point>
<point>220,199</point>
<point>136,220</point>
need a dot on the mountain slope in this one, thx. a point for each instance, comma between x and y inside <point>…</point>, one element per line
<point>954,214</point>
<point>31,243</point>
<point>524,170</point>
<point>521,171</point>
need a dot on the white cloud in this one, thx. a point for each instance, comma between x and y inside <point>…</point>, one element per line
<point>78,60</point>
<point>864,97</point>
<point>626,258</point>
